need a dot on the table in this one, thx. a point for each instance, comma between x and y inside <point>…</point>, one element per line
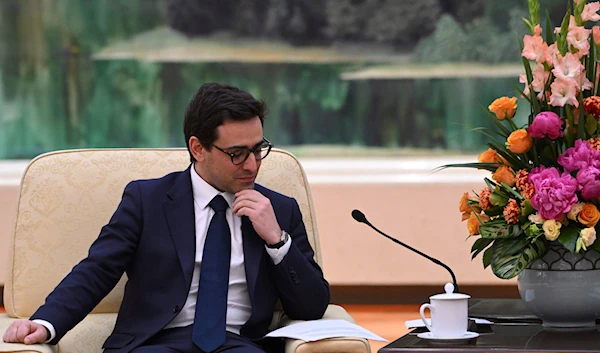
<point>515,330</point>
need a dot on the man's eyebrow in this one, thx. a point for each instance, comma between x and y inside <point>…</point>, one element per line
<point>239,146</point>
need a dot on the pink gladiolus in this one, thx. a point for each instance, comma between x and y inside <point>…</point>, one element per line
<point>564,92</point>
<point>572,24</point>
<point>589,182</point>
<point>534,48</point>
<point>579,157</point>
<point>590,12</point>
<point>552,54</point>
<point>596,34</point>
<point>583,83</point>
<point>568,66</point>
<point>523,79</point>
<point>540,76</point>
<point>546,124</point>
<point>554,193</point>
<point>578,38</point>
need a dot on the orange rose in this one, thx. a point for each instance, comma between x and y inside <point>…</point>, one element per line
<point>589,215</point>
<point>519,141</point>
<point>491,156</point>
<point>463,205</point>
<point>504,174</point>
<point>473,223</point>
<point>504,107</point>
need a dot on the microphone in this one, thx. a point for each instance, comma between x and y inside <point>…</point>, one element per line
<point>360,217</point>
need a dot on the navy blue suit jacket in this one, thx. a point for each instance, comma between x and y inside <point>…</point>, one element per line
<point>151,237</point>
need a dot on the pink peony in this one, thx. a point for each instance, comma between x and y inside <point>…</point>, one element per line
<point>554,193</point>
<point>546,124</point>
<point>579,157</point>
<point>589,181</point>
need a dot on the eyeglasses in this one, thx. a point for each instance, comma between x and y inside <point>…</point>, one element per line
<point>240,154</point>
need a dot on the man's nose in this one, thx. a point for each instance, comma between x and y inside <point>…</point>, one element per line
<point>250,163</point>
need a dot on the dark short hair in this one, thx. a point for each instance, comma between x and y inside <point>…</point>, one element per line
<point>214,103</point>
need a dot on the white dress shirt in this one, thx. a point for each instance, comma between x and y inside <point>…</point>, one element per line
<point>239,307</point>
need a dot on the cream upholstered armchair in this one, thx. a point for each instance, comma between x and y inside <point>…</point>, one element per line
<point>67,196</point>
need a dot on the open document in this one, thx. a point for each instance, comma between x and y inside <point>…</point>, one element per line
<point>321,329</point>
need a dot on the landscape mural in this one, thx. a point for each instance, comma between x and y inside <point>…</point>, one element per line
<point>374,75</point>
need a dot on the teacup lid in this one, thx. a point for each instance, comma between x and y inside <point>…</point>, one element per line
<point>449,295</point>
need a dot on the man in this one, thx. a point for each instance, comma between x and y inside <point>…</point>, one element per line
<point>206,251</point>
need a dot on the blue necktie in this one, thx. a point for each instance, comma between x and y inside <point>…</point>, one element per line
<point>211,305</point>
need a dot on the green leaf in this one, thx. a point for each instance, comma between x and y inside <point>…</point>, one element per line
<point>534,230</point>
<point>487,166</point>
<point>479,246</point>
<point>581,119</point>
<point>534,12</point>
<point>494,211</point>
<point>511,256</point>
<point>521,92</point>
<point>499,229</point>
<point>498,199</point>
<point>526,208</point>
<point>490,184</point>
<point>529,25</point>
<point>549,29</point>
<point>561,43</point>
<point>591,125</point>
<point>577,10</point>
<point>487,258</point>
<point>509,189</point>
<point>512,158</point>
<point>568,238</point>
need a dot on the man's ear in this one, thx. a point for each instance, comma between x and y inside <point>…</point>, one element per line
<point>198,151</point>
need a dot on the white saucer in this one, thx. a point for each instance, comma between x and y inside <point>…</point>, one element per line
<point>448,340</point>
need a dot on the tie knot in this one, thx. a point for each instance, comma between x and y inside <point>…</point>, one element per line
<point>218,204</point>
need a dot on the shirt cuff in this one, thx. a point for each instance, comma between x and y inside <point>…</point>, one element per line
<point>277,255</point>
<point>47,325</point>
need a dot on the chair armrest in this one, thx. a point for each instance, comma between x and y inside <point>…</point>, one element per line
<point>5,322</point>
<point>330,345</point>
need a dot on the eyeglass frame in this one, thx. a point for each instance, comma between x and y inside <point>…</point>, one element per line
<point>250,151</point>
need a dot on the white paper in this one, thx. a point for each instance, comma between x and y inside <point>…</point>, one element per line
<point>321,329</point>
<point>419,322</point>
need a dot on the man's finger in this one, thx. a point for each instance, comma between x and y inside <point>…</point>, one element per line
<point>22,331</point>
<point>37,336</point>
<point>241,204</point>
<point>250,193</point>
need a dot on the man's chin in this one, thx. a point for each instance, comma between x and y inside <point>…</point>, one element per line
<point>245,186</point>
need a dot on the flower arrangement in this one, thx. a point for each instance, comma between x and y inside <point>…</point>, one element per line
<point>545,181</point>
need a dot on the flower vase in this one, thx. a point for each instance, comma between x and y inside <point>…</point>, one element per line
<point>563,288</point>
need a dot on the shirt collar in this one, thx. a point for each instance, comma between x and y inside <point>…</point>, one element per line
<point>203,192</point>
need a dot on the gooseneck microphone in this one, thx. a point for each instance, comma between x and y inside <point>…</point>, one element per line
<point>360,217</point>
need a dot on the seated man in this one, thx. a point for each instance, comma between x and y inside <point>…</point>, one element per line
<point>207,252</point>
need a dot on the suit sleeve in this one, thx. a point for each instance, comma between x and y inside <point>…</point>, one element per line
<point>302,289</point>
<point>96,275</point>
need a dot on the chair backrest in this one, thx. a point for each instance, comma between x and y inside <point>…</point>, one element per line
<point>67,196</point>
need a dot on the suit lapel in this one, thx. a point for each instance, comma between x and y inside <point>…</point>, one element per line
<point>179,211</point>
<point>253,252</point>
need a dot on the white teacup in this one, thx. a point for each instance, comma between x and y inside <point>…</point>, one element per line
<point>449,313</point>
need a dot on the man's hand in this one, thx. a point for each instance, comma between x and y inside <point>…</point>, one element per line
<point>259,210</point>
<point>25,331</point>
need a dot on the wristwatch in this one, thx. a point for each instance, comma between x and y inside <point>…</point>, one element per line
<point>284,238</point>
